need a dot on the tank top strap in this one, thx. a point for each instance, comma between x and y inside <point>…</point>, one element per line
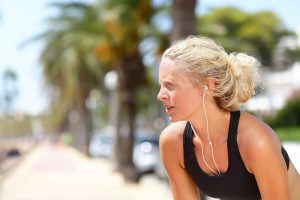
<point>233,127</point>
<point>188,146</point>
<point>233,149</point>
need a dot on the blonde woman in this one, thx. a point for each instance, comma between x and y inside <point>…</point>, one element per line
<point>211,145</point>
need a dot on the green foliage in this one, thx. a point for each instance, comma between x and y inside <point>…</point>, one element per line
<point>289,115</point>
<point>291,133</point>
<point>71,66</point>
<point>15,126</point>
<point>83,42</point>
<point>239,31</point>
<point>293,53</point>
<point>9,81</point>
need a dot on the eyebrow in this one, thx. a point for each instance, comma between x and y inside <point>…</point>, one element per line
<point>168,82</point>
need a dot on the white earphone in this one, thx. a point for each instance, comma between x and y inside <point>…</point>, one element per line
<point>205,87</point>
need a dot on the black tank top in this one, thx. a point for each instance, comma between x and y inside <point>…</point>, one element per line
<point>234,184</point>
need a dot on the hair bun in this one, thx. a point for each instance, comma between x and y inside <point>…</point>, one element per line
<point>238,62</point>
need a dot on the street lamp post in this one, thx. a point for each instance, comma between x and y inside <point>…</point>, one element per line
<point>111,83</point>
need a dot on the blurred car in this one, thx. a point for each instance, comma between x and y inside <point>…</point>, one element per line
<point>160,171</point>
<point>101,145</point>
<point>146,153</point>
<point>145,150</point>
<point>13,152</point>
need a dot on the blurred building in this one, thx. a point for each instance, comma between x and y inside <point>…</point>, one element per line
<point>278,87</point>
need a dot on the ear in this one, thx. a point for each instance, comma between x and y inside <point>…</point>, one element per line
<point>210,83</point>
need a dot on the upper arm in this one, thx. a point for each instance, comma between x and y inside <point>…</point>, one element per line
<point>268,166</point>
<point>171,150</point>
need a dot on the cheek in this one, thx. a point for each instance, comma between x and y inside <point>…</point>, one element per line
<point>184,100</point>
<point>187,102</point>
<point>176,98</point>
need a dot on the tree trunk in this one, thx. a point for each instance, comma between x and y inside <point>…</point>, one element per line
<point>80,127</point>
<point>80,121</point>
<point>124,139</point>
<point>184,19</point>
<point>131,75</point>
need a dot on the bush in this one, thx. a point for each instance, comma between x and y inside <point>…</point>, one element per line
<point>291,133</point>
<point>289,115</point>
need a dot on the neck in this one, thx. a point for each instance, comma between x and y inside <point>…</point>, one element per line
<point>218,121</point>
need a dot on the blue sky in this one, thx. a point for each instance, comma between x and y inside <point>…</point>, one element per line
<point>20,20</point>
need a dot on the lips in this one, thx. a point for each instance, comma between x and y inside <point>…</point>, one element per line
<point>168,108</point>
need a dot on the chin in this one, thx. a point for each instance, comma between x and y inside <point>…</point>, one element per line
<point>174,119</point>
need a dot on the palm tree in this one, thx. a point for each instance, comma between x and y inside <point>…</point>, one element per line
<point>183,18</point>
<point>114,30</point>
<point>9,84</point>
<point>70,65</point>
<point>126,24</point>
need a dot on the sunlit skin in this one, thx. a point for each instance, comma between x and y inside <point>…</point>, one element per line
<point>175,88</point>
<point>259,146</point>
<point>183,100</point>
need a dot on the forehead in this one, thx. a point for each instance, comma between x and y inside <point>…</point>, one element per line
<point>169,71</point>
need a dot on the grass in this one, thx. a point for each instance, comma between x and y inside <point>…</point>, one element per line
<point>291,133</point>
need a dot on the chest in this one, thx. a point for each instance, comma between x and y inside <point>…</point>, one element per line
<point>235,182</point>
<point>211,158</point>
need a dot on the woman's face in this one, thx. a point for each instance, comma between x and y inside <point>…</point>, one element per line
<point>180,97</point>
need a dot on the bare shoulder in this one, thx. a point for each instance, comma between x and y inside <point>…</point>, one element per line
<point>260,150</point>
<point>254,132</point>
<point>171,140</point>
<point>173,132</point>
<point>255,137</point>
<point>171,151</point>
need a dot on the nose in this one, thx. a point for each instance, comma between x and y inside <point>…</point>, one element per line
<point>161,94</point>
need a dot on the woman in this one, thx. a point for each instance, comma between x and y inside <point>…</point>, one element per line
<point>210,145</point>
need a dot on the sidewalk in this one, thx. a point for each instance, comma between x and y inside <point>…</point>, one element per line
<point>53,172</point>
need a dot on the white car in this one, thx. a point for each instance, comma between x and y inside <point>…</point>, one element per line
<point>145,151</point>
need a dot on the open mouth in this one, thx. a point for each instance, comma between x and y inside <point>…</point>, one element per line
<point>169,108</point>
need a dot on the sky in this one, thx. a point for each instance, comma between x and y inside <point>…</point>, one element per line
<point>22,20</point>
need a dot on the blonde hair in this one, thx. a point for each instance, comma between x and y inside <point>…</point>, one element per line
<point>236,75</point>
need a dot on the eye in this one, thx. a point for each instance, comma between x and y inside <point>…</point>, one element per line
<point>169,86</point>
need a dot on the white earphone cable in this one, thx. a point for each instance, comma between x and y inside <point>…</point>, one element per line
<point>218,172</point>
<point>209,140</point>
<point>203,157</point>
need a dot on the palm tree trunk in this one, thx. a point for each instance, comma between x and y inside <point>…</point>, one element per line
<point>80,121</point>
<point>125,133</point>
<point>184,18</point>
<point>80,126</point>
<point>131,75</point>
